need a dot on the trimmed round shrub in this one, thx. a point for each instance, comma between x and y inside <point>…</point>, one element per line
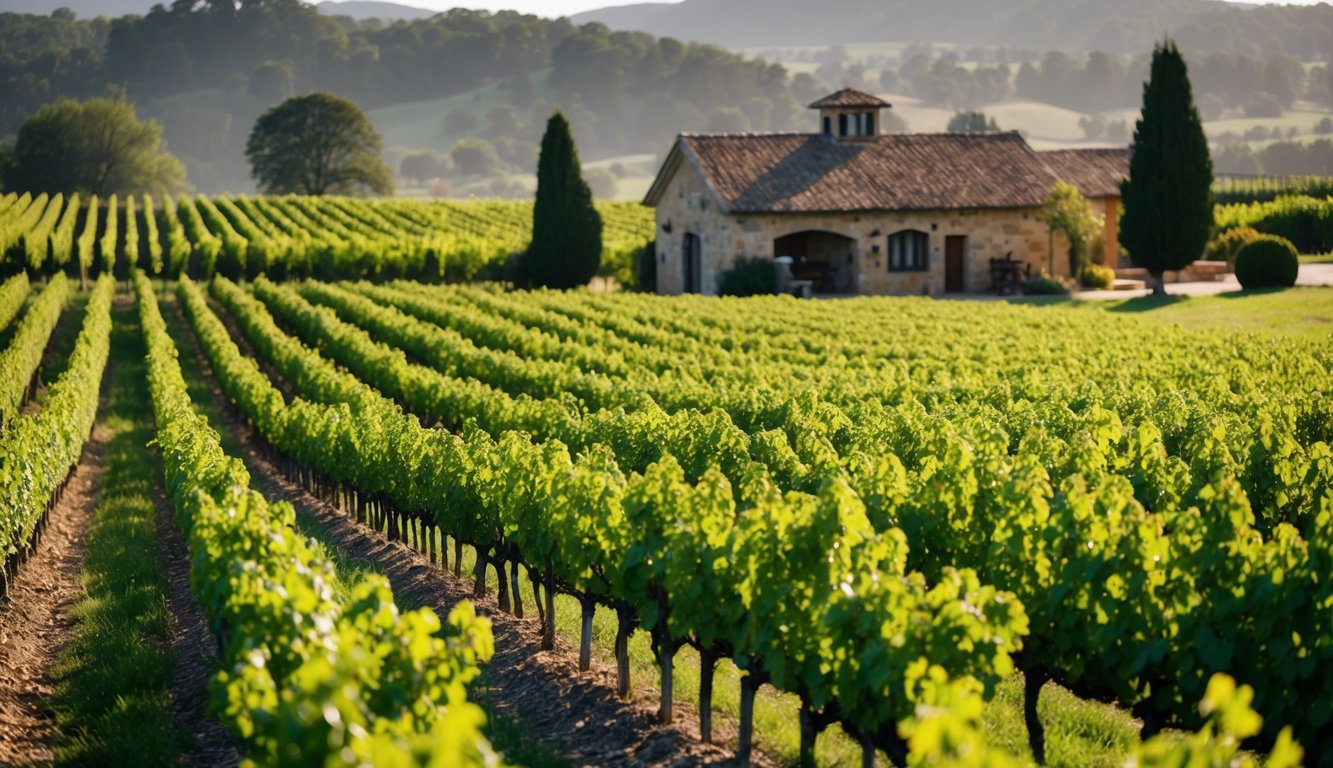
<point>1044,285</point>
<point>1267,262</point>
<point>1097,276</point>
<point>748,277</point>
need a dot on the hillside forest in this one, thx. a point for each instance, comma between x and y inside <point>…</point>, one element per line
<point>461,97</point>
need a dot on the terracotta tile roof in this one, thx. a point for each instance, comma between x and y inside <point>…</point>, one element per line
<point>850,98</point>
<point>1096,172</point>
<point>814,173</point>
<point>804,172</point>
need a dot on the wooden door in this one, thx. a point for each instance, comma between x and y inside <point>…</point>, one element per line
<point>954,248</point>
<point>693,263</point>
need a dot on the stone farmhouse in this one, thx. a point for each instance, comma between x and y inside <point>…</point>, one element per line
<point>862,212</point>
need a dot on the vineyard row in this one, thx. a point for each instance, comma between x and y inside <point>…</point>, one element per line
<point>327,237</point>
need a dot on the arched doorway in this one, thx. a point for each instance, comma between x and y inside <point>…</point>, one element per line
<point>826,259</point>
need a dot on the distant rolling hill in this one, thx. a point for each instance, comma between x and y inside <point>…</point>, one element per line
<point>82,8</point>
<point>357,9</point>
<point>1126,25</point>
<point>373,9</point>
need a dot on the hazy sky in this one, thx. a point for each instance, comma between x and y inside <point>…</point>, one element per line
<point>567,7</point>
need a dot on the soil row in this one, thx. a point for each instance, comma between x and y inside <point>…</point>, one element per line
<point>35,620</point>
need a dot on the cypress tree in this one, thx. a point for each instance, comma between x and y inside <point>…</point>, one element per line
<point>1168,197</point>
<point>566,247</point>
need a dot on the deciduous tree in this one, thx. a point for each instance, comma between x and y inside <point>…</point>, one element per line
<point>475,157</point>
<point>272,81</point>
<point>1067,211</point>
<point>972,122</point>
<point>99,146</point>
<point>1168,196</point>
<point>317,144</point>
<point>424,166</point>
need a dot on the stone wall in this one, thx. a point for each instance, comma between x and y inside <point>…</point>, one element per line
<point>686,206</point>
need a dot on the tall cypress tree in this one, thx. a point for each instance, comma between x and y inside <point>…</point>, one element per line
<point>1168,197</point>
<point>566,247</point>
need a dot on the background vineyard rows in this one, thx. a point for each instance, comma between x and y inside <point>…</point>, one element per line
<point>286,237</point>
<point>341,238</point>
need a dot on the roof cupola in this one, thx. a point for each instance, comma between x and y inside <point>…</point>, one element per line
<point>850,115</point>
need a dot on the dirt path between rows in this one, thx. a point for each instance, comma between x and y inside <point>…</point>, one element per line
<point>193,647</point>
<point>574,713</point>
<point>35,621</point>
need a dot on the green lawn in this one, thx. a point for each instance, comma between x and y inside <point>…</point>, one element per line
<point>1301,312</point>
<point>1298,312</point>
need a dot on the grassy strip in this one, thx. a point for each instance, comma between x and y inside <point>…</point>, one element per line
<point>1302,312</point>
<point>506,734</point>
<point>111,702</point>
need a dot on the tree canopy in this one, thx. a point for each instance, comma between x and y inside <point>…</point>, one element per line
<point>1168,197</point>
<point>1279,158</point>
<point>206,71</point>
<point>566,248</point>
<point>196,66</point>
<point>474,157</point>
<point>424,166</point>
<point>317,144</point>
<point>972,122</point>
<point>99,146</point>
<point>1065,210</point>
